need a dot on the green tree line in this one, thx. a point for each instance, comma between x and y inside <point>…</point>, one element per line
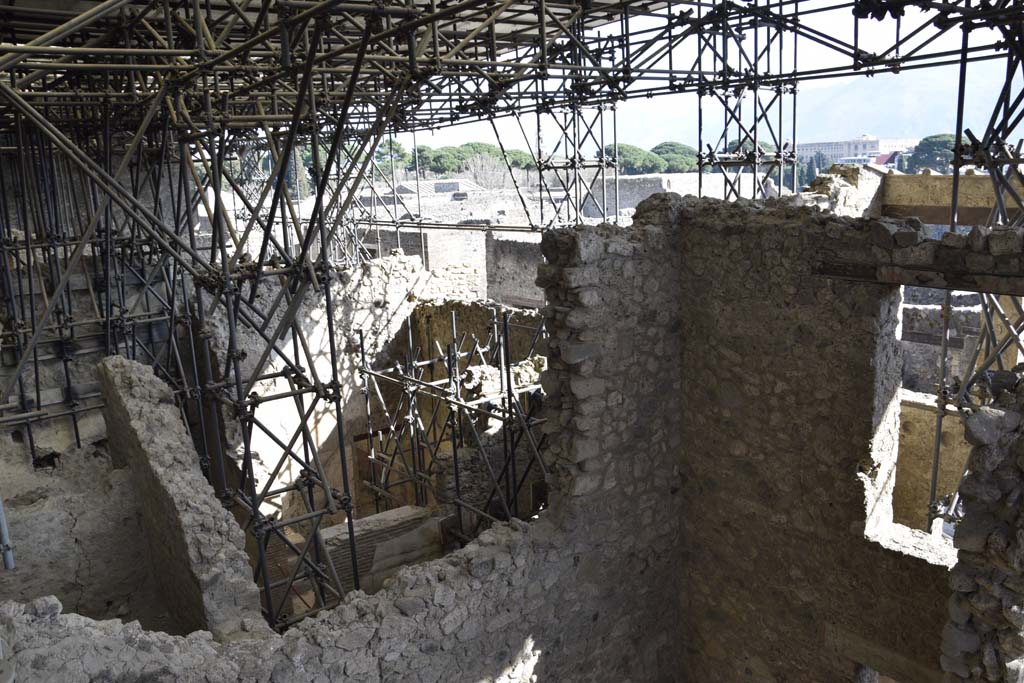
<point>666,157</point>
<point>934,151</point>
<point>445,160</point>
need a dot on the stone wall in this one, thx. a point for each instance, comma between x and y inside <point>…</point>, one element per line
<point>432,321</point>
<point>853,190</point>
<point>57,433</point>
<point>929,197</point>
<point>984,639</point>
<point>722,424</point>
<point>790,436</point>
<point>67,370</point>
<point>375,299</point>
<point>74,513</point>
<point>898,252</point>
<point>428,331</point>
<point>77,533</point>
<point>456,256</point>
<point>511,269</point>
<point>196,549</point>
<point>579,595</point>
<point>922,331</point>
<point>633,189</point>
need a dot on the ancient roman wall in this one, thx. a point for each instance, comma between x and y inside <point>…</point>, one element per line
<point>511,268</point>
<point>196,550</point>
<point>66,372</point>
<point>984,639</point>
<point>930,196</point>
<point>373,299</point>
<point>722,406</point>
<point>432,321</point>
<point>74,514</point>
<point>578,595</point>
<point>456,256</point>
<point>633,189</point>
<point>853,190</point>
<point>790,433</point>
<point>75,524</point>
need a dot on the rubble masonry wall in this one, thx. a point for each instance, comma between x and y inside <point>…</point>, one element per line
<point>196,549</point>
<point>790,436</point>
<point>512,262</point>
<point>984,639</point>
<point>722,431</point>
<point>579,595</point>
<point>375,298</point>
<point>77,534</point>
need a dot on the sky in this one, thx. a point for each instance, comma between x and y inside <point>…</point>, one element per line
<point>914,103</point>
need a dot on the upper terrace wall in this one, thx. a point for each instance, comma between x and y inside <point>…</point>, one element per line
<point>868,190</point>
<point>929,197</point>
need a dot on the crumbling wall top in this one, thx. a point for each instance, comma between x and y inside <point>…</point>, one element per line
<point>197,550</point>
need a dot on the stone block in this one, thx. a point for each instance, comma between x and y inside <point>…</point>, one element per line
<point>957,640</point>
<point>922,254</point>
<point>977,239</point>
<point>577,352</point>
<point>973,531</point>
<point>979,262</point>
<point>1004,242</point>
<point>547,275</point>
<point>905,237</point>
<point>949,258</point>
<point>881,233</point>
<point>658,209</point>
<point>954,240</point>
<point>584,448</point>
<point>1008,264</point>
<point>181,516</point>
<point>590,246</point>
<point>986,425</point>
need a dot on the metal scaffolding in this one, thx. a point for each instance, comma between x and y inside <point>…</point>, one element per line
<point>126,126</point>
<point>1002,318</point>
<point>434,441</point>
<point>750,139</point>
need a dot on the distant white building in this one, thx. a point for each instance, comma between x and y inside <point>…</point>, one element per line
<point>864,146</point>
<point>858,159</point>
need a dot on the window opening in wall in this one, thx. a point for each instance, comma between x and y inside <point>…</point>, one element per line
<point>540,495</point>
<point>454,425</point>
<point>966,348</point>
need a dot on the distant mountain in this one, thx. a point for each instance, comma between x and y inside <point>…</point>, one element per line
<point>913,103</point>
<point>908,104</point>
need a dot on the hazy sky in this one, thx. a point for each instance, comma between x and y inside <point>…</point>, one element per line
<point>914,103</point>
<point>910,104</point>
